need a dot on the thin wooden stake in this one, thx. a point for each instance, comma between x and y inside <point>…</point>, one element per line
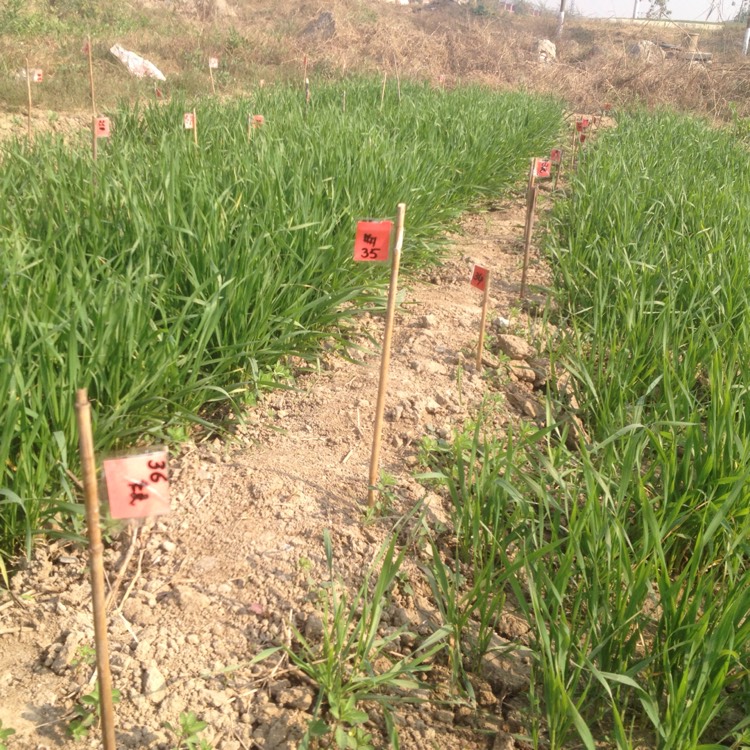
<point>91,495</point>
<point>91,76</point>
<point>530,207</point>
<point>382,93</point>
<point>28,91</point>
<point>386,356</point>
<point>483,323</point>
<point>557,172</point>
<point>343,101</point>
<point>307,95</point>
<point>94,145</point>
<point>211,73</point>
<point>195,128</point>
<point>574,149</point>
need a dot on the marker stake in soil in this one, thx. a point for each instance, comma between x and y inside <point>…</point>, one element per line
<point>480,279</point>
<point>91,495</point>
<point>556,157</point>
<point>386,355</point>
<point>382,93</point>
<point>190,122</point>
<point>530,207</point>
<point>28,91</point>
<point>213,63</point>
<point>94,135</point>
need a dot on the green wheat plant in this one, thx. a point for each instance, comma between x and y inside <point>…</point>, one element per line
<point>172,281</point>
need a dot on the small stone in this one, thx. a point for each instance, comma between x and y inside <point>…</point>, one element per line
<point>427,321</point>
<point>432,406</point>
<point>501,323</point>
<point>435,368</point>
<point>443,716</point>
<point>314,627</point>
<point>154,684</point>
<point>217,698</point>
<point>514,346</point>
<point>168,546</point>
<point>522,371</point>
<point>66,654</point>
<point>299,697</point>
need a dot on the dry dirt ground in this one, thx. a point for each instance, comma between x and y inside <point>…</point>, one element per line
<point>240,558</point>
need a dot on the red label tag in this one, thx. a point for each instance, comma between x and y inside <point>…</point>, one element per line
<point>37,76</point>
<point>257,121</point>
<point>583,137</point>
<point>213,63</point>
<point>138,486</point>
<point>542,168</point>
<point>101,127</point>
<point>555,156</point>
<point>188,120</point>
<point>479,278</point>
<point>373,240</point>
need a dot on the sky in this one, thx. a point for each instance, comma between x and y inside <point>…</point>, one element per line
<point>683,10</point>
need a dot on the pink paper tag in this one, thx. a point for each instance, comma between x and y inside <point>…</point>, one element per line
<point>138,486</point>
<point>373,240</point>
<point>542,168</point>
<point>188,120</point>
<point>555,156</point>
<point>101,128</point>
<point>213,63</point>
<point>479,278</point>
<point>37,76</point>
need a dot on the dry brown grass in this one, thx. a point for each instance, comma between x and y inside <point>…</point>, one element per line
<point>441,42</point>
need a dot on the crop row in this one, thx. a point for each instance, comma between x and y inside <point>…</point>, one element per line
<point>167,278</point>
<point>635,547</point>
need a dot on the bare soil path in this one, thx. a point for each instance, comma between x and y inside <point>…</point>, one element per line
<point>241,555</point>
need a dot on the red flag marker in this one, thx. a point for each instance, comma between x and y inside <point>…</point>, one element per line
<point>373,240</point>
<point>542,168</point>
<point>479,277</point>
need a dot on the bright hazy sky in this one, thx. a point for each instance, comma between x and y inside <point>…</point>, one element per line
<point>686,10</point>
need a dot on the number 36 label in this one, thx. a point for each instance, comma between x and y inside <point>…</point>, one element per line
<point>373,240</point>
<point>138,486</point>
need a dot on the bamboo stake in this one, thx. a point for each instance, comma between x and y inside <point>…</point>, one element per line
<point>531,205</point>
<point>386,356</point>
<point>28,91</point>
<point>343,101</point>
<point>557,172</point>
<point>91,75</point>
<point>382,93</point>
<point>94,144</point>
<point>211,74</point>
<point>307,95</point>
<point>195,128</point>
<point>485,305</point>
<point>91,495</point>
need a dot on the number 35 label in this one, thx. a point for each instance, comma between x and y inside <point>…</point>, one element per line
<point>373,240</point>
<point>138,486</point>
